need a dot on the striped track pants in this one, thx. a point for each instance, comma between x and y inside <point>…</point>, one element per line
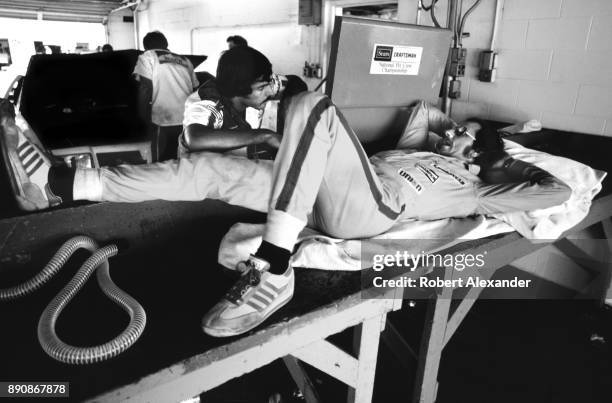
<point>322,169</point>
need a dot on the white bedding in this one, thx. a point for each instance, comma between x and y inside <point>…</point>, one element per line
<point>551,222</point>
<point>322,252</point>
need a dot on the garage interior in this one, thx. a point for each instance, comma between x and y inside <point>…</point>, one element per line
<point>512,62</point>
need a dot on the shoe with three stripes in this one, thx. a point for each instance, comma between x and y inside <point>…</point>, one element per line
<point>26,164</point>
<point>253,298</point>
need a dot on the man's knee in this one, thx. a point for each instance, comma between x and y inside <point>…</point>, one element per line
<point>419,105</point>
<point>304,103</point>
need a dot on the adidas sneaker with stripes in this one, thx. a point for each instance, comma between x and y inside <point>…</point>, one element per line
<point>28,166</point>
<point>30,158</point>
<point>264,296</point>
<point>253,298</point>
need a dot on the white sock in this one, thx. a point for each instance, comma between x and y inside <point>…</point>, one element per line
<point>282,229</point>
<point>87,184</point>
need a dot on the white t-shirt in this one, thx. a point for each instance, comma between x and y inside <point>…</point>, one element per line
<point>173,80</point>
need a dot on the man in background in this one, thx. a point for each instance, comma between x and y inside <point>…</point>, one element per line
<point>236,40</point>
<point>165,81</point>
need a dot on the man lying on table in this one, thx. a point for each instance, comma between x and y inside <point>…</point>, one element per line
<point>320,177</point>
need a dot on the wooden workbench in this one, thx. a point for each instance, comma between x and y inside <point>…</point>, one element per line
<point>168,263</point>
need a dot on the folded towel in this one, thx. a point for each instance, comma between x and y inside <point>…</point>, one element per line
<point>322,252</point>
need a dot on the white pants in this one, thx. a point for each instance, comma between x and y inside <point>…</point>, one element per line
<point>321,168</point>
<point>196,176</point>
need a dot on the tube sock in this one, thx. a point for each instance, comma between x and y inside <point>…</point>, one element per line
<point>275,255</point>
<point>61,181</point>
<point>88,184</point>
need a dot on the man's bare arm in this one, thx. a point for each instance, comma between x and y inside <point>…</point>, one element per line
<point>202,138</point>
<point>145,96</point>
<point>526,188</point>
<point>424,119</point>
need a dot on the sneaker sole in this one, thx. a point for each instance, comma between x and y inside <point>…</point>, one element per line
<point>228,332</point>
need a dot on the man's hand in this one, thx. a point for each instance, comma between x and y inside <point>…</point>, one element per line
<point>265,145</point>
<point>145,95</point>
<point>270,138</point>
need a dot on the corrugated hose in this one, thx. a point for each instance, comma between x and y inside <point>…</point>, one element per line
<point>47,337</point>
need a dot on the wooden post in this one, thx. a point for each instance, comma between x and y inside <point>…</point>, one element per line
<point>366,339</point>
<point>432,343</point>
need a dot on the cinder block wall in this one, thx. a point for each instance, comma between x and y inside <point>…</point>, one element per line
<point>555,64</point>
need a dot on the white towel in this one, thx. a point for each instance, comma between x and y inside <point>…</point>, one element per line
<point>322,252</point>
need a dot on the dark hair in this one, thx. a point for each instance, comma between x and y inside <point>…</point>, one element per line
<point>237,40</point>
<point>239,68</point>
<point>155,40</point>
<point>107,48</point>
<point>488,144</point>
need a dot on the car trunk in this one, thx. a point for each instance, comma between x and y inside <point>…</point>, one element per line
<point>84,100</point>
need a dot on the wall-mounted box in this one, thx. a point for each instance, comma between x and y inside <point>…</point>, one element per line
<point>309,12</point>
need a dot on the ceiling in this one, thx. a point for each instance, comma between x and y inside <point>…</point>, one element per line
<point>59,10</point>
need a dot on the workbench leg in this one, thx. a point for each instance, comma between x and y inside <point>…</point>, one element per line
<point>398,345</point>
<point>301,379</point>
<point>607,229</point>
<point>432,343</point>
<point>366,339</point>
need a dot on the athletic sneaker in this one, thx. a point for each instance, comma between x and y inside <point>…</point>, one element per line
<point>26,164</point>
<point>255,296</point>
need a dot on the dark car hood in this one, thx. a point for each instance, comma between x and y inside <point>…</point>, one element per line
<point>76,100</point>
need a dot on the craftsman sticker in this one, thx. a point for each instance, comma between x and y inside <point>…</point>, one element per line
<point>396,59</point>
<point>428,172</point>
<point>416,186</point>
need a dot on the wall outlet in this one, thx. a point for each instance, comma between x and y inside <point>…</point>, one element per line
<point>457,66</point>
<point>487,63</point>
<point>312,70</point>
<point>454,89</point>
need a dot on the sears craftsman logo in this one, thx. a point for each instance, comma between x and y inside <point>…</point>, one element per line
<point>383,53</point>
<point>395,59</point>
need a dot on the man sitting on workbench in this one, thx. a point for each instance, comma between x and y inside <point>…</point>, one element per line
<point>323,178</point>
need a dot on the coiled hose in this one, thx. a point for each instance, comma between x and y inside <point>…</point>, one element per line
<point>47,337</point>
